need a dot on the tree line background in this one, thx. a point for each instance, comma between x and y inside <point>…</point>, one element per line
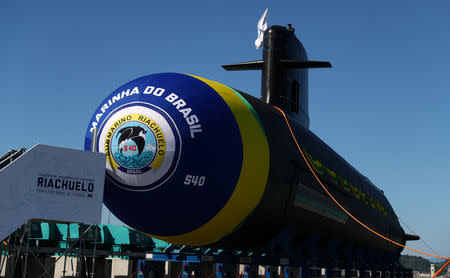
<point>420,264</point>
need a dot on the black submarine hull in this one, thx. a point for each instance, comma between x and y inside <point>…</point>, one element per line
<point>295,213</point>
<point>295,202</point>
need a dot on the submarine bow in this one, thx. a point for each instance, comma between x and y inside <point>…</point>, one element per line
<point>187,158</point>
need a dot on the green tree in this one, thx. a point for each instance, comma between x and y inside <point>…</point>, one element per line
<point>415,263</point>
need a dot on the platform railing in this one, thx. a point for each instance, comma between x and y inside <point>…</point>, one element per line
<point>10,156</point>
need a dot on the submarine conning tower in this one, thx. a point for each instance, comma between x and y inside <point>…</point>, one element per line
<point>282,86</point>
<point>284,67</point>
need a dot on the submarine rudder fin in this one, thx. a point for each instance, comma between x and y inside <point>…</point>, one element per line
<point>409,237</point>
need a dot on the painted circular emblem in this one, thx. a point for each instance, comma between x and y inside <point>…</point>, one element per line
<point>142,146</point>
<point>136,144</point>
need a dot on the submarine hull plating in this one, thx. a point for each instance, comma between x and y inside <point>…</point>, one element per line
<point>296,204</point>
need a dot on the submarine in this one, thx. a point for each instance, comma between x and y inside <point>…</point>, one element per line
<point>211,166</point>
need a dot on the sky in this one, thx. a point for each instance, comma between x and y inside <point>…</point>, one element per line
<point>384,106</point>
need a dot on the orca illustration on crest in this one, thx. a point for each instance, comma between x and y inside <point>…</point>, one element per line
<point>135,133</point>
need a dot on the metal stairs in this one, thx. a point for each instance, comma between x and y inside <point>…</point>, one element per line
<point>10,156</point>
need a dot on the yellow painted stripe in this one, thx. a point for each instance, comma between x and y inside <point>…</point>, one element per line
<point>252,180</point>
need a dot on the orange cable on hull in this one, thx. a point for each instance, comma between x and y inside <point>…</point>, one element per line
<point>348,213</point>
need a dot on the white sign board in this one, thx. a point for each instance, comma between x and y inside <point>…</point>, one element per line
<point>51,183</point>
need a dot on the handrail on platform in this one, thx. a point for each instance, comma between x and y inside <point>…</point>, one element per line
<point>10,156</point>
